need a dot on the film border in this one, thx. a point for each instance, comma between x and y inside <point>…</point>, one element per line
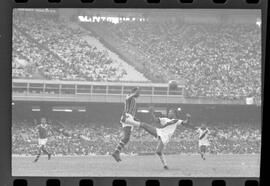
<point>5,83</point>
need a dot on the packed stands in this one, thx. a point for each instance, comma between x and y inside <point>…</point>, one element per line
<point>57,51</point>
<point>217,60</point>
<point>214,60</point>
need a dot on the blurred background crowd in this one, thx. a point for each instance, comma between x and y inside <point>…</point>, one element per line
<point>98,139</point>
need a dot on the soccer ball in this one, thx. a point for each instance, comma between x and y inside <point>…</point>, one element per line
<point>172,84</point>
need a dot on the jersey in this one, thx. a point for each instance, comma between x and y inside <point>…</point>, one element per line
<point>166,133</point>
<point>171,128</point>
<point>42,131</point>
<point>203,136</point>
<point>130,105</point>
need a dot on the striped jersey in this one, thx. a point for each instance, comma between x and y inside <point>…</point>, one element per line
<point>130,105</point>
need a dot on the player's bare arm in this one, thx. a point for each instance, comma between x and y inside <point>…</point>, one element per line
<point>170,123</point>
<point>186,123</point>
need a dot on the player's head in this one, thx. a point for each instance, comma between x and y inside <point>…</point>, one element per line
<point>43,120</point>
<point>172,113</point>
<point>136,90</point>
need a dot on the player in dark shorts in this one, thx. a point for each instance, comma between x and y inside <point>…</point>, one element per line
<point>43,130</point>
<point>128,113</point>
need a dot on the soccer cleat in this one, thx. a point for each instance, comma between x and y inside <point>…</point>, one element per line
<point>116,156</point>
<point>35,160</point>
<point>166,167</point>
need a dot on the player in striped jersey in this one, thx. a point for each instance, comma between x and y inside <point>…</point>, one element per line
<point>127,116</point>
<point>203,140</point>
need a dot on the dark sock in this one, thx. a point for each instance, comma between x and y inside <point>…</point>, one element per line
<point>38,155</point>
<point>45,150</point>
<point>120,146</point>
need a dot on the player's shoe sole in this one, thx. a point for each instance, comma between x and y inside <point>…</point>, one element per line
<point>116,157</point>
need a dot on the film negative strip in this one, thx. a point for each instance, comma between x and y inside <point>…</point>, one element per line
<point>132,92</point>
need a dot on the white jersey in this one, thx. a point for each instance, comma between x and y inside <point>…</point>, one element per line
<point>203,137</point>
<point>166,133</point>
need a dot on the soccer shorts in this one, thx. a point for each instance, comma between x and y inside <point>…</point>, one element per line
<point>164,135</point>
<point>42,141</point>
<point>130,121</point>
<point>204,142</point>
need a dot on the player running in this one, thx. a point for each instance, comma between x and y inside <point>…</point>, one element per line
<point>203,140</point>
<point>42,130</point>
<point>165,132</point>
<point>129,111</point>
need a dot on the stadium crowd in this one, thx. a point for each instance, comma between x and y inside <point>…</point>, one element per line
<point>58,51</point>
<point>85,139</point>
<point>214,60</point>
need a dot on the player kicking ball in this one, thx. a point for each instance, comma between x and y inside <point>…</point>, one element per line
<point>43,130</point>
<point>129,111</point>
<point>203,140</point>
<point>165,132</point>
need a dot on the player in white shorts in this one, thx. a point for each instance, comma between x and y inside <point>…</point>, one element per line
<point>203,140</point>
<point>165,132</point>
<point>128,114</point>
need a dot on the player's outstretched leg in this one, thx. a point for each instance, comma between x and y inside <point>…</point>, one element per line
<point>149,128</point>
<point>122,143</point>
<point>130,120</point>
<point>38,155</point>
<point>160,154</point>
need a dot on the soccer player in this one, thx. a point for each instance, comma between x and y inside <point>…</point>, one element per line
<point>203,140</point>
<point>165,132</point>
<point>42,130</point>
<point>129,112</point>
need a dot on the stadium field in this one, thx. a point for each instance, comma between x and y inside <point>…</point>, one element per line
<point>145,166</point>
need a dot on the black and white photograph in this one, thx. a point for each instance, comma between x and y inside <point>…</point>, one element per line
<point>136,92</point>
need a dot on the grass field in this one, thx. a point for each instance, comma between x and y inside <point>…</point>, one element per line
<point>146,166</point>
